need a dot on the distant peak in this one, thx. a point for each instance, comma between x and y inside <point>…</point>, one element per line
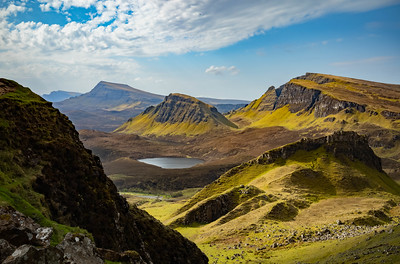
<point>182,97</point>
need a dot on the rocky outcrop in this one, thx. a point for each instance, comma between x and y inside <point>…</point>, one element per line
<point>177,114</point>
<point>300,98</point>
<point>22,240</point>
<point>215,207</point>
<point>18,229</point>
<point>343,144</point>
<point>71,181</point>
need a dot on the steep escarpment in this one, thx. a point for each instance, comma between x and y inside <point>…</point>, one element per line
<point>325,95</point>
<point>47,174</point>
<point>324,103</point>
<point>177,115</point>
<point>335,165</point>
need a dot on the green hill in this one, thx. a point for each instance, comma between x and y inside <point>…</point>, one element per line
<point>178,114</point>
<point>305,192</point>
<point>322,104</point>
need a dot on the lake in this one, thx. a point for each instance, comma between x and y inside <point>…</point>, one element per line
<point>172,163</point>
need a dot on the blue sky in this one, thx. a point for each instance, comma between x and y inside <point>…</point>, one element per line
<point>213,48</point>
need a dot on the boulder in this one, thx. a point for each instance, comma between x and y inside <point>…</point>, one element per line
<point>30,254</point>
<point>18,229</point>
<point>6,249</point>
<point>79,249</point>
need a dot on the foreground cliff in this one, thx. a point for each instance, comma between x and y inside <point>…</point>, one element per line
<point>178,114</point>
<point>47,174</point>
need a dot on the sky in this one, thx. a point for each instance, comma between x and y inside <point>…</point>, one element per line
<point>213,48</point>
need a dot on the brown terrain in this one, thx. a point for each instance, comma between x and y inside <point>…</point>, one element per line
<point>220,151</point>
<point>311,105</point>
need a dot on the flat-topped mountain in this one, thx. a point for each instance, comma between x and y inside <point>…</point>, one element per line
<point>47,174</point>
<point>178,114</point>
<point>327,103</point>
<point>324,95</point>
<point>107,106</point>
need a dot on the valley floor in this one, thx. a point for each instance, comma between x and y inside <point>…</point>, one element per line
<point>318,234</point>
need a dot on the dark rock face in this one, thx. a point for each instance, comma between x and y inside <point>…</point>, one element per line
<point>300,98</point>
<point>297,97</point>
<point>210,210</point>
<point>76,190</point>
<point>391,115</point>
<point>343,144</point>
<point>178,108</point>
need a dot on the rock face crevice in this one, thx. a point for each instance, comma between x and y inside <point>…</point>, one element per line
<point>72,181</point>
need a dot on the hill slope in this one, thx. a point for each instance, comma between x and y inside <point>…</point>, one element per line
<point>107,106</point>
<point>47,174</point>
<point>312,190</point>
<point>336,165</point>
<point>326,103</point>
<point>178,114</point>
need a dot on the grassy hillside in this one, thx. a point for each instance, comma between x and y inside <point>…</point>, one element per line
<point>303,197</point>
<point>321,103</point>
<point>178,114</point>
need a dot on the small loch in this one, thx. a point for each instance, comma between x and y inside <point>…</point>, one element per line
<point>172,162</point>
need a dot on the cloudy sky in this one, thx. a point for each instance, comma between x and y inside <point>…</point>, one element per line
<point>214,48</point>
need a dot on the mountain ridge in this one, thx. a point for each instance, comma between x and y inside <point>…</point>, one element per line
<point>58,96</point>
<point>327,103</point>
<point>178,114</point>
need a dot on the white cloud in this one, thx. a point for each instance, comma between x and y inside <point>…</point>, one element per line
<point>157,27</point>
<point>11,10</point>
<point>220,70</point>
<point>122,29</point>
<point>48,5</point>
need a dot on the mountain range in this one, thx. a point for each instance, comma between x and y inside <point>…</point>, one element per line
<point>311,166</point>
<point>108,105</point>
<point>58,96</point>
<point>311,105</point>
